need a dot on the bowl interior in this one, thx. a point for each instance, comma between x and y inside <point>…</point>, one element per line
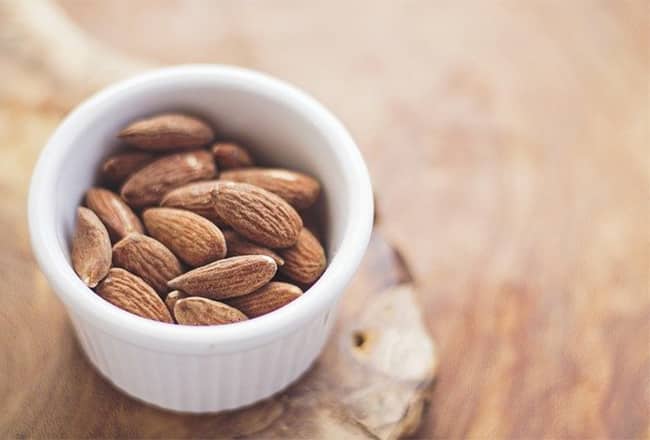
<point>279,124</point>
<point>277,131</point>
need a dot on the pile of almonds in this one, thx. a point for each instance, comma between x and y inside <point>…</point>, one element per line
<point>197,235</point>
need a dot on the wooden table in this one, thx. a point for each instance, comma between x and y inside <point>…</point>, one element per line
<point>509,148</point>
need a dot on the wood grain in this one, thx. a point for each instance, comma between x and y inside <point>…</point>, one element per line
<point>508,144</point>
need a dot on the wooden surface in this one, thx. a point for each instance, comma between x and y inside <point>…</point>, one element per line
<point>509,148</point>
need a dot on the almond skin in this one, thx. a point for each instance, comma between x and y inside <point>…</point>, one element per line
<point>203,311</point>
<point>116,215</point>
<point>171,298</point>
<point>305,261</point>
<point>229,156</point>
<point>116,169</point>
<point>300,190</point>
<point>131,293</point>
<point>167,132</point>
<point>195,239</point>
<point>147,186</point>
<point>91,248</point>
<point>257,214</point>
<point>238,245</point>
<point>227,278</point>
<point>147,258</point>
<point>265,299</point>
<point>194,197</point>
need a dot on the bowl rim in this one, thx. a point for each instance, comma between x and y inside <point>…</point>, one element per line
<point>140,331</point>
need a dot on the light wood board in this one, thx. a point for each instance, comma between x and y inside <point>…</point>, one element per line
<point>508,144</point>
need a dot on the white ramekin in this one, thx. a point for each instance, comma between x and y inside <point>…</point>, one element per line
<point>204,369</point>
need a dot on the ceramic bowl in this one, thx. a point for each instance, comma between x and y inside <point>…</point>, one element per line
<point>204,369</point>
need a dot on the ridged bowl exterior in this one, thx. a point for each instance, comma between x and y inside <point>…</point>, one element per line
<point>204,382</point>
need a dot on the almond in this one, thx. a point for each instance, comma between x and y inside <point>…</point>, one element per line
<point>131,293</point>
<point>300,190</point>
<point>257,214</point>
<point>194,197</point>
<point>265,299</point>
<point>229,155</point>
<point>195,239</point>
<point>202,311</point>
<point>238,245</point>
<point>166,132</point>
<point>117,168</point>
<point>91,248</point>
<point>147,258</point>
<point>171,298</point>
<point>305,261</point>
<point>116,215</point>
<point>147,186</point>
<point>226,278</point>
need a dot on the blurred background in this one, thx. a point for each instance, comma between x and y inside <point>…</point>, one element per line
<point>508,144</point>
